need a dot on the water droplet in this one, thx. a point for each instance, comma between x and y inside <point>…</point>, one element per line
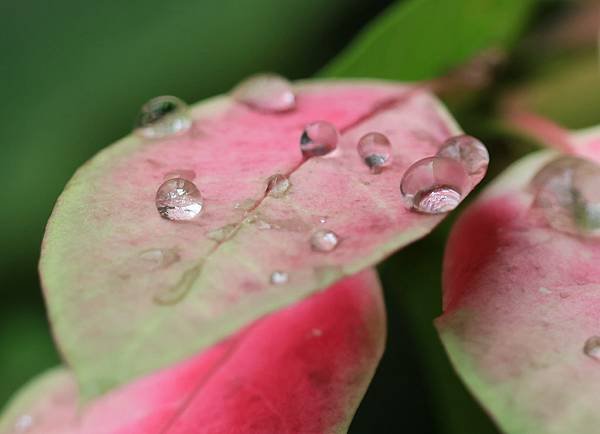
<point>567,194</point>
<point>318,138</point>
<point>178,199</point>
<point>24,423</point>
<point>279,277</point>
<point>469,151</point>
<point>266,92</point>
<point>592,347</point>
<point>163,116</point>
<point>323,219</point>
<point>376,151</point>
<point>434,185</point>
<point>188,174</point>
<point>159,258</point>
<point>324,240</point>
<point>277,185</point>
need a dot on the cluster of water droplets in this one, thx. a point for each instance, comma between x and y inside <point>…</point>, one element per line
<point>437,184</point>
<point>432,185</point>
<point>567,195</point>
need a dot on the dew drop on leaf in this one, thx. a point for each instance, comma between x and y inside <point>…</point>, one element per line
<point>324,241</point>
<point>591,347</point>
<point>266,92</point>
<point>277,185</point>
<point>179,199</point>
<point>434,185</point>
<point>279,277</point>
<point>567,194</point>
<point>469,151</point>
<point>318,138</point>
<point>163,116</point>
<point>375,150</point>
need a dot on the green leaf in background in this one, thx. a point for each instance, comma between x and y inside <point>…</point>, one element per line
<point>422,39</point>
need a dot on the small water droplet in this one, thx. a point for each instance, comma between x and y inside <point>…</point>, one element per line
<point>188,174</point>
<point>178,199</point>
<point>277,185</point>
<point>469,151</point>
<point>222,233</point>
<point>24,423</point>
<point>434,185</point>
<point>592,347</point>
<point>266,92</point>
<point>163,116</point>
<point>323,219</point>
<point>279,277</point>
<point>318,138</point>
<point>376,151</point>
<point>159,258</point>
<point>324,241</point>
<point>567,194</point>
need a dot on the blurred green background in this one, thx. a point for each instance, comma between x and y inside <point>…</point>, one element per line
<point>73,74</point>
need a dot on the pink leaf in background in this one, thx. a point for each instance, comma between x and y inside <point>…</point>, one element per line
<point>303,369</point>
<point>522,290</point>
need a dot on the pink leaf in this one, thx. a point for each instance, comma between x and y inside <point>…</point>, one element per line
<point>302,369</point>
<point>522,296</point>
<point>120,278</point>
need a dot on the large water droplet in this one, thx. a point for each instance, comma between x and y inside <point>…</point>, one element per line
<point>278,185</point>
<point>163,116</point>
<point>266,92</point>
<point>567,194</point>
<point>434,185</point>
<point>469,151</point>
<point>592,347</point>
<point>375,150</point>
<point>279,277</point>
<point>178,199</point>
<point>324,241</point>
<point>318,138</point>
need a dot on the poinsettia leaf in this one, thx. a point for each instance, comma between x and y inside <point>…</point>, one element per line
<point>208,277</point>
<point>522,299</point>
<point>301,369</point>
